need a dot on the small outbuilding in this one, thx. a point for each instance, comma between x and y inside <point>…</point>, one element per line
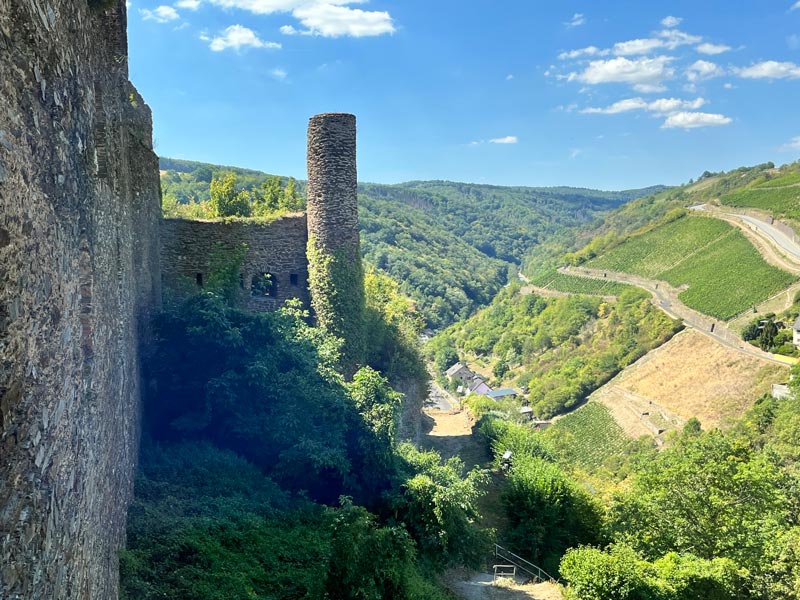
<point>796,332</point>
<point>780,391</point>
<point>502,394</point>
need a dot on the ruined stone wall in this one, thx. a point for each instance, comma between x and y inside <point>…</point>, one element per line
<point>277,248</point>
<point>79,204</point>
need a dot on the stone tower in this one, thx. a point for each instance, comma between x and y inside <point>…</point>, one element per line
<point>336,275</point>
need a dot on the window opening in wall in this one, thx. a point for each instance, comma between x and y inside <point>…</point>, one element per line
<point>293,279</point>
<point>199,279</point>
<point>241,280</point>
<point>264,285</point>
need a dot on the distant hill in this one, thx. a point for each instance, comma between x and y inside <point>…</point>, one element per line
<point>450,245</point>
<point>655,237</point>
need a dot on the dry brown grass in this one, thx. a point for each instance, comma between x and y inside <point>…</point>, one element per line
<point>691,376</point>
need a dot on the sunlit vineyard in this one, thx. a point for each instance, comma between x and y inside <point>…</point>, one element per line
<point>660,249</point>
<point>724,272</point>
<point>727,278</point>
<point>587,437</point>
<point>579,285</point>
<point>779,201</point>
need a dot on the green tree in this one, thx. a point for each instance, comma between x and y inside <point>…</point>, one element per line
<point>226,201</point>
<point>713,496</point>
<point>291,200</point>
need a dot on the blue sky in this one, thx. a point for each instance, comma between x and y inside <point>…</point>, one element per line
<point>509,92</point>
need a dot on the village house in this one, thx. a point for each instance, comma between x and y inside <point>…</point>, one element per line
<point>459,372</point>
<point>479,386</point>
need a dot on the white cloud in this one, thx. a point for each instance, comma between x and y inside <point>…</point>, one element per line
<point>236,37</point>
<point>770,69</point>
<point>162,14</point>
<point>327,18</point>
<point>671,21</point>
<point>703,69</point>
<point>188,4</point>
<point>728,86</point>
<point>650,88</point>
<point>661,106</point>
<point>793,41</point>
<point>575,152</point>
<point>674,38</point>
<point>509,77</point>
<point>793,144</point>
<point>639,46</point>
<point>693,120</point>
<point>649,71</point>
<point>509,139</point>
<point>280,74</point>
<point>577,20</point>
<point>796,5</point>
<point>588,51</point>
<point>712,49</point>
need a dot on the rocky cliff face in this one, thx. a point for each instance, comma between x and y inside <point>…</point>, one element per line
<point>79,214</point>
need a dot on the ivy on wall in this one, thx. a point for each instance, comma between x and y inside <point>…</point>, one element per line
<point>336,282</point>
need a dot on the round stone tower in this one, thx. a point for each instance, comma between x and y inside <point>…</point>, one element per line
<point>336,275</point>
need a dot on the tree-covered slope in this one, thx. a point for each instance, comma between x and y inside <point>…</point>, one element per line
<point>450,245</point>
<point>558,349</point>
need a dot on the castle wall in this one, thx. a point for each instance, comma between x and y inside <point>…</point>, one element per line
<point>79,204</point>
<point>277,248</point>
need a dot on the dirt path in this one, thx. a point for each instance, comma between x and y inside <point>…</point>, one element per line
<point>665,297</point>
<point>479,586</point>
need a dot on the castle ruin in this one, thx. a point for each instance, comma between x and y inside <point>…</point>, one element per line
<point>79,256</point>
<point>83,252</point>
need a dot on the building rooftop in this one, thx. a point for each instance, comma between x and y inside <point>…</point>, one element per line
<point>502,393</point>
<point>455,369</point>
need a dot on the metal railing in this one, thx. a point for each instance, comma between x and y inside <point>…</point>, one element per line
<point>536,574</point>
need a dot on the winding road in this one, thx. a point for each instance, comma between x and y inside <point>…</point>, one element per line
<point>666,298</point>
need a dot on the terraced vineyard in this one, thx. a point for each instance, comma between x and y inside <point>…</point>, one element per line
<point>662,248</point>
<point>724,272</point>
<point>579,285</point>
<point>586,437</point>
<point>781,202</point>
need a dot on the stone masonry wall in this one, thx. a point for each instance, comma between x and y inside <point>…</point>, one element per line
<point>79,205</point>
<point>277,248</point>
<point>336,273</point>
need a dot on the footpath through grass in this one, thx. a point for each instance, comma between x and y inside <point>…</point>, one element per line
<point>725,273</point>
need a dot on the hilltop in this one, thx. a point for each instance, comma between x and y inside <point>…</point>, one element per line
<point>450,245</point>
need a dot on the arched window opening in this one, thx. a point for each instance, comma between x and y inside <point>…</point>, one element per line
<point>264,286</point>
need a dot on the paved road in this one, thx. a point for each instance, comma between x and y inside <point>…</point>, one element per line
<point>776,235</point>
<point>440,399</point>
<point>773,234</point>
